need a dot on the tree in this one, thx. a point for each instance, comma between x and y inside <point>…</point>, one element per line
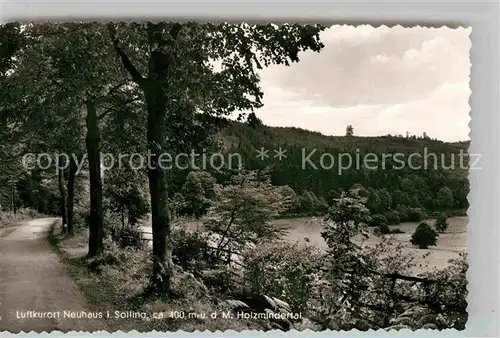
<point>415,203</point>
<point>400,198</point>
<point>182,80</point>
<point>348,265</point>
<point>441,222</point>
<point>83,85</point>
<point>72,173</point>
<point>359,190</point>
<point>332,195</point>
<point>374,202</point>
<point>253,121</point>
<point>242,210</point>
<point>124,190</point>
<point>307,202</point>
<point>62,191</point>
<point>97,80</point>
<point>289,195</point>
<point>43,109</point>
<point>385,199</point>
<point>384,229</point>
<point>415,215</point>
<point>377,220</point>
<point>393,217</point>
<point>349,130</point>
<point>197,192</point>
<point>12,41</point>
<point>424,236</point>
<point>445,198</point>
<point>408,186</point>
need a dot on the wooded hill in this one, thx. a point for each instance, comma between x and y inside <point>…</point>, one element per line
<point>413,187</point>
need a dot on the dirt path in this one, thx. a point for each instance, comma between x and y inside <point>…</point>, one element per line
<point>35,293</point>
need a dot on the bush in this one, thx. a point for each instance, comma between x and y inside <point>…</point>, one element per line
<point>282,270</point>
<point>29,213</point>
<point>403,212</point>
<point>407,214</point>
<point>397,231</point>
<point>393,218</point>
<point>131,236</point>
<point>191,250</point>
<point>459,212</point>
<point>441,223</point>
<point>450,289</point>
<point>81,219</point>
<point>127,270</point>
<point>376,220</point>
<point>415,215</point>
<point>424,236</point>
<point>384,229</point>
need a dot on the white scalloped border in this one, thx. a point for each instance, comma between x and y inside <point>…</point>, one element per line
<point>307,332</point>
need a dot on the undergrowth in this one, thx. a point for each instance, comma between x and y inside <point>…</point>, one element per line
<point>117,280</point>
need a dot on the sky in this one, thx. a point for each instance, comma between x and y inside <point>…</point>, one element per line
<point>379,80</point>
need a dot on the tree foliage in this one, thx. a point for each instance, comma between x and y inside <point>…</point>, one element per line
<point>242,210</point>
<point>441,223</point>
<point>349,130</point>
<point>424,236</point>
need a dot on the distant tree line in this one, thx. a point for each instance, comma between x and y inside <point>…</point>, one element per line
<point>396,194</point>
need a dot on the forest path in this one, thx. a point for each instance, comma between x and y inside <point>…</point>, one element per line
<point>33,282</point>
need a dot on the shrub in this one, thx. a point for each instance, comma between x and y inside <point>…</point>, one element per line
<point>450,290</point>
<point>397,231</point>
<point>459,212</point>
<point>407,214</point>
<point>393,218</point>
<point>131,236</point>
<point>384,229</point>
<point>403,212</point>
<point>191,250</point>
<point>424,236</point>
<point>441,223</point>
<point>126,269</point>
<point>81,219</point>
<point>415,215</point>
<point>376,220</point>
<point>27,212</point>
<point>284,271</point>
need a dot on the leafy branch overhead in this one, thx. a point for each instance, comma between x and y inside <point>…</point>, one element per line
<point>211,67</point>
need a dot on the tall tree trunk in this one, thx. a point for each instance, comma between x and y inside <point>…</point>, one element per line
<point>96,228</point>
<point>71,194</point>
<point>153,88</point>
<point>123,216</point>
<point>62,192</point>
<point>162,252</point>
<point>14,210</point>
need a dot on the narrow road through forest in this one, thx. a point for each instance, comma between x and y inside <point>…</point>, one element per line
<point>33,283</point>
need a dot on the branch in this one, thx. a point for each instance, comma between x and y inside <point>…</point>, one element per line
<point>226,231</point>
<point>129,66</point>
<point>112,90</point>
<point>107,111</point>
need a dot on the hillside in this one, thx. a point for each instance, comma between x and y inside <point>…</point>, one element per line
<point>237,133</point>
<point>420,181</point>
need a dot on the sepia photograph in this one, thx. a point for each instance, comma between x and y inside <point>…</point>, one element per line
<point>233,176</point>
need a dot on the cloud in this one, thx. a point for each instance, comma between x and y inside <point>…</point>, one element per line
<point>381,80</point>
